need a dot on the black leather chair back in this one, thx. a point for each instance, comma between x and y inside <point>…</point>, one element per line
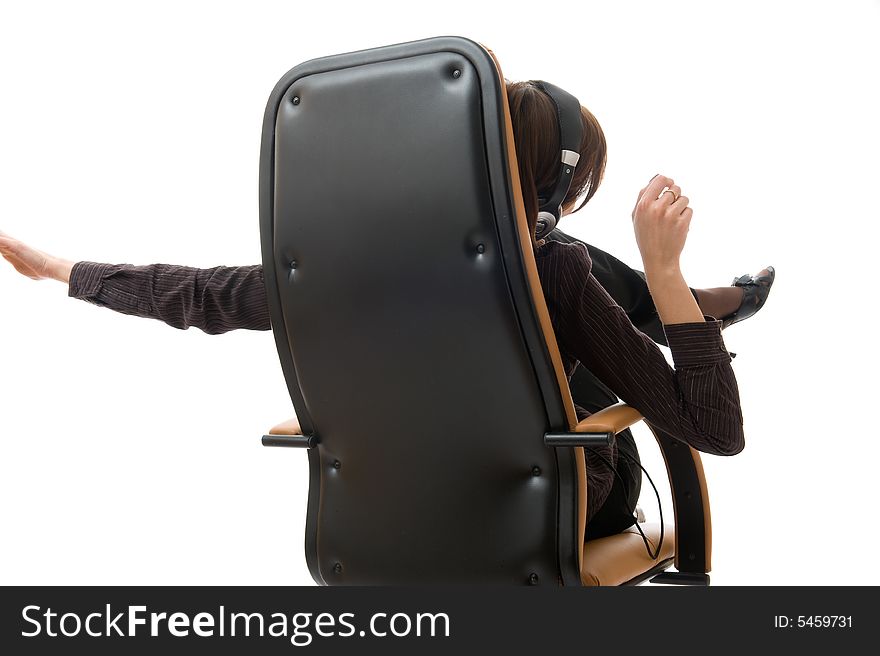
<point>405,322</point>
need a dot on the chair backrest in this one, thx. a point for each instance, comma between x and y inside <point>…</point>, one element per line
<point>410,323</point>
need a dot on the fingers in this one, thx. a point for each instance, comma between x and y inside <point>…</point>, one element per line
<point>642,190</point>
<point>652,189</point>
<point>7,244</point>
<point>667,197</point>
<point>685,218</point>
<point>666,193</point>
<point>670,195</point>
<point>680,205</point>
<point>657,183</point>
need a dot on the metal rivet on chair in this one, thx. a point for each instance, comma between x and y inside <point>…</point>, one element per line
<point>456,73</point>
<point>337,464</point>
<point>293,264</point>
<point>536,471</point>
<point>337,567</point>
<point>481,248</point>
<point>568,170</point>
<point>533,579</point>
<point>295,100</point>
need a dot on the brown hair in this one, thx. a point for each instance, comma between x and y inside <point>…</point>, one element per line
<point>536,137</point>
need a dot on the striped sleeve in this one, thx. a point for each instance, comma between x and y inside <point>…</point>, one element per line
<point>696,343</point>
<point>216,300</point>
<point>696,402</point>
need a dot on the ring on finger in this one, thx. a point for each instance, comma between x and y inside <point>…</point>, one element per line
<point>669,191</point>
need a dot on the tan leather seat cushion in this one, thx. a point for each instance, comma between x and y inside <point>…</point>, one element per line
<point>615,559</point>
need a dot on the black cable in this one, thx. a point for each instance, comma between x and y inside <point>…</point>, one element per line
<point>633,510</point>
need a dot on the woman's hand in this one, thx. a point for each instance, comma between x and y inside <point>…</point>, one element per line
<point>661,224</point>
<point>33,263</point>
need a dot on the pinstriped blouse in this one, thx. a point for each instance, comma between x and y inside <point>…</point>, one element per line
<point>697,401</point>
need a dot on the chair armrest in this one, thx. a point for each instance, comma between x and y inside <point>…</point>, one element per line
<point>612,419</point>
<point>687,483</point>
<point>598,429</point>
<point>288,433</point>
<point>289,427</point>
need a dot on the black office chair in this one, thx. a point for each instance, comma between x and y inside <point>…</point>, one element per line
<point>416,344</point>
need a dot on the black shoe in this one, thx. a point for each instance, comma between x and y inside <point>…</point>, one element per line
<point>755,291</point>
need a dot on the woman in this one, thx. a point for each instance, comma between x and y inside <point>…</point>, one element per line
<point>617,481</point>
<point>697,402</point>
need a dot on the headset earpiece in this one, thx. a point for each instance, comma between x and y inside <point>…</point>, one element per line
<point>545,225</point>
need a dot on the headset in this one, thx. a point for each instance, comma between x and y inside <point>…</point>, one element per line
<point>568,115</point>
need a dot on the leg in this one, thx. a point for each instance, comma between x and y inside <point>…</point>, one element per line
<point>741,300</point>
<point>627,286</point>
<point>719,302</point>
<point>615,514</point>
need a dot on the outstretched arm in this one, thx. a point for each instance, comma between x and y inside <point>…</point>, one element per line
<point>215,300</point>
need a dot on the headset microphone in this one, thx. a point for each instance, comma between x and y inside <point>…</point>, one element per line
<point>568,114</point>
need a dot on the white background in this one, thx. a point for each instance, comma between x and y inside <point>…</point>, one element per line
<point>130,132</point>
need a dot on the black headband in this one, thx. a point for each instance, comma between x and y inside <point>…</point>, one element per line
<point>568,114</point>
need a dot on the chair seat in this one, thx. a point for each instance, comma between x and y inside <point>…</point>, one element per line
<point>616,559</point>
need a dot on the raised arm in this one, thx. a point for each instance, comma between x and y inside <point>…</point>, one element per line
<point>697,400</point>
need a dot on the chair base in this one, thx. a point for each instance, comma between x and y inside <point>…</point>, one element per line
<point>657,569</point>
<point>682,578</point>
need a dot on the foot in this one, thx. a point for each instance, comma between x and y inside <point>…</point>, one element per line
<point>755,289</point>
